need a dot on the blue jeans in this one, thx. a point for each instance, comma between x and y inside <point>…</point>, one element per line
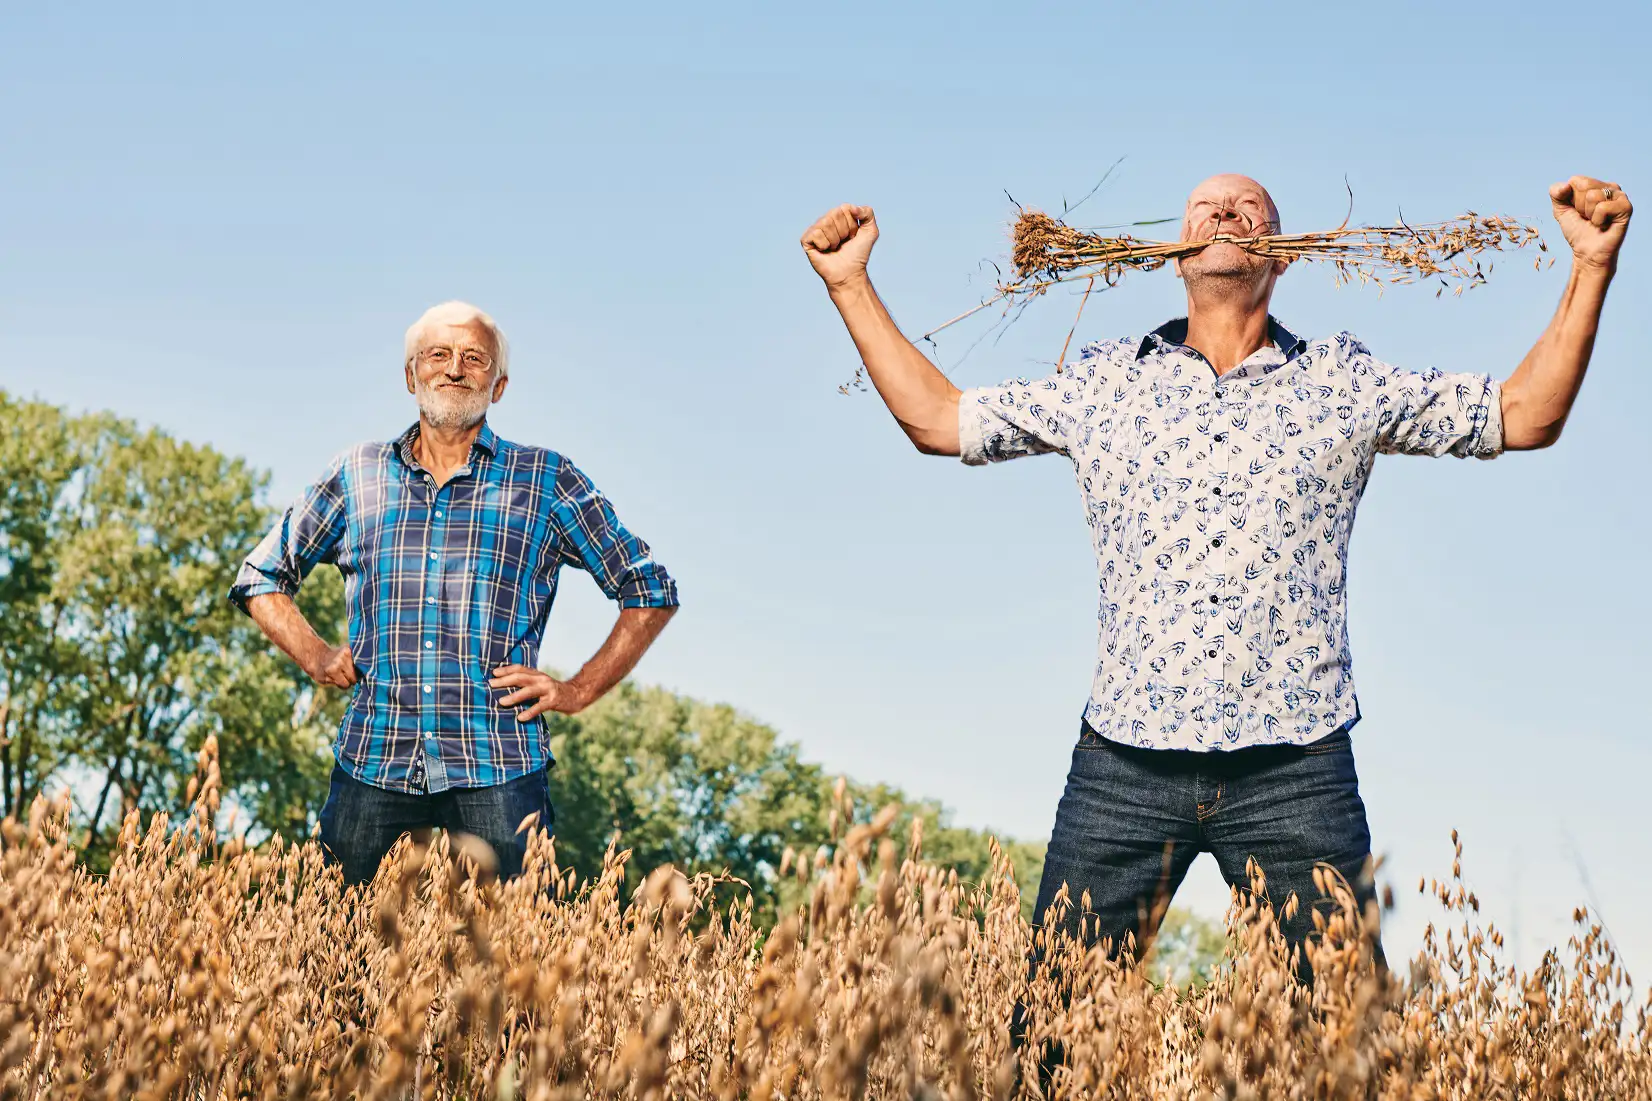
<point>360,822</point>
<point>1132,820</point>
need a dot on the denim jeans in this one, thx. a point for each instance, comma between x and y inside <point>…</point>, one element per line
<point>360,822</point>
<point>1132,820</point>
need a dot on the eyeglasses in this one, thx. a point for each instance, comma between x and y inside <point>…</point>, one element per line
<point>440,356</point>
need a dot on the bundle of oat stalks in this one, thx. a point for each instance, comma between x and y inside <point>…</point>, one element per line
<point>1047,251</point>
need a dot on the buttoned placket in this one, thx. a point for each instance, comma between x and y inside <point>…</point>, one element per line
<point>1216,539</point>
<point>1225,390</point>
<point>430,773</point>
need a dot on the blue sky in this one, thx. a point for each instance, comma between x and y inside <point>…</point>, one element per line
<point>220,220</point>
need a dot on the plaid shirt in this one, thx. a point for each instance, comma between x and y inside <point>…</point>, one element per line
<point>442,585</point>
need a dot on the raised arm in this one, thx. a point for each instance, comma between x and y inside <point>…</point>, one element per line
<point>1537,398</point>
<point>924,401</point>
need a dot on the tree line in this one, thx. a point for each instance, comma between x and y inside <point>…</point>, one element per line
<point>119,655</point>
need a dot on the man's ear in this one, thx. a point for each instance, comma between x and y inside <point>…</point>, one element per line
<point>408,368</point>
<point>499,385</point>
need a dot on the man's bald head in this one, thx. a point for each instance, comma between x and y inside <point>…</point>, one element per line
<point>1234,206</point>
<point>1229,203</point>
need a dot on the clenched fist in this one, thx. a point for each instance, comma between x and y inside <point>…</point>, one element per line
<point>839,244</point>
<point>1594,216</point>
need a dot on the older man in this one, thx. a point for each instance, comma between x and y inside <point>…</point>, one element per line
<point>450,540</point>
<point>1220,459</point>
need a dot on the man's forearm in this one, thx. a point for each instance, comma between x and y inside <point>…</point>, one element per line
<point>283,624</point>
<point>1538,397</point>
<point>634,632</point>
<point>923,400</point>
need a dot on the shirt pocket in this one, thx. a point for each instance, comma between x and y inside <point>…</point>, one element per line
<point>492,592</point>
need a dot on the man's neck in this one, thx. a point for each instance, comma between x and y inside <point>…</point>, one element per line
<point>444,450</point>
<point>1226,332</point>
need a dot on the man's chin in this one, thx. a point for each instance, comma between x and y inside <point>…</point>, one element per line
<point>1222,258</point>
<point>451,418</point>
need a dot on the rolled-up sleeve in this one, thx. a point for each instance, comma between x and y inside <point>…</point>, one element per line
<point>590,537</point>
<point>308,533</point>
<point>1435,412</point>
<point>1020,418</point>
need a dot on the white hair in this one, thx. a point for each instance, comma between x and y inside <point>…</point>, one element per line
<point>459,313</point>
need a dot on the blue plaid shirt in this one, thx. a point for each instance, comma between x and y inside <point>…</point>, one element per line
<point>442,585</point>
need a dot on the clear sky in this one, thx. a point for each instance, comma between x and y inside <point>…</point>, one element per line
<point>220,219</point>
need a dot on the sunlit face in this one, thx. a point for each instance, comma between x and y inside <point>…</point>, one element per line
<point>454,375</point>
<point>1233,206</point>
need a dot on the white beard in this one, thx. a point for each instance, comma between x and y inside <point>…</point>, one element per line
<point>449,409</point>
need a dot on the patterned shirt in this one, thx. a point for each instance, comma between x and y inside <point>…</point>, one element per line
<point>442,585</point>
<point>1220,510</point>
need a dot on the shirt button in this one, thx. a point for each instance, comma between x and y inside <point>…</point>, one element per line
<point>433,556</point>
<point>1214,599</point>
<point>1212,654</point>
<point>1216,542</point>
<point>427,687</point>
<point>438,514</point>
<point>431,645</point>
<point>430,600</point>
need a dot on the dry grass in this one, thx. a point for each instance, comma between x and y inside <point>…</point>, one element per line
<point>194,971</point>
<point>1047,251</point>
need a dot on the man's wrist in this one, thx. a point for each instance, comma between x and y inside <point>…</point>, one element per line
<point>312,656</point>
<point>584,691</point>
<point>852,287</point>
<point>1588,268</point>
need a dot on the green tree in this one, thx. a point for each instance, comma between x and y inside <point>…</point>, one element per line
<point>43,454</point>
<point>709,789</point>
<point>120,653</point>
<point>1188,950</point>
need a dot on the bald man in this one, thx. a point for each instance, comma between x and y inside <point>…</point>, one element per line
<point>1220,458</point>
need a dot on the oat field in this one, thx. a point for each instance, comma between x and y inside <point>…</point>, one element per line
<point>200,970</point>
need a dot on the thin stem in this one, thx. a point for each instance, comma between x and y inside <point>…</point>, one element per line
<point>1063,357</point>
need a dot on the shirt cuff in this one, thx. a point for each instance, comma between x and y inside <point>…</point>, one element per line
<point>654,592</point>
<point>1490,442</point>
<point>972,439</point>
<point>243,591</point>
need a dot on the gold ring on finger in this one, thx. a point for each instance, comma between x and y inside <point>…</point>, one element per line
<point>1606,193</point>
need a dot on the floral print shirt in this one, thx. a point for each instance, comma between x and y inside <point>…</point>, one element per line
<point>1220,509</point>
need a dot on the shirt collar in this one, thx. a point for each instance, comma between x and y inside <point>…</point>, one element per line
<point>486,441</point>
<point>1174,334</point>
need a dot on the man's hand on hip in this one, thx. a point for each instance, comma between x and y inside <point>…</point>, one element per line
<point>335,668</point>
<point>839,244</point>
<point>545,692</point>
<point>1594,216</point>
